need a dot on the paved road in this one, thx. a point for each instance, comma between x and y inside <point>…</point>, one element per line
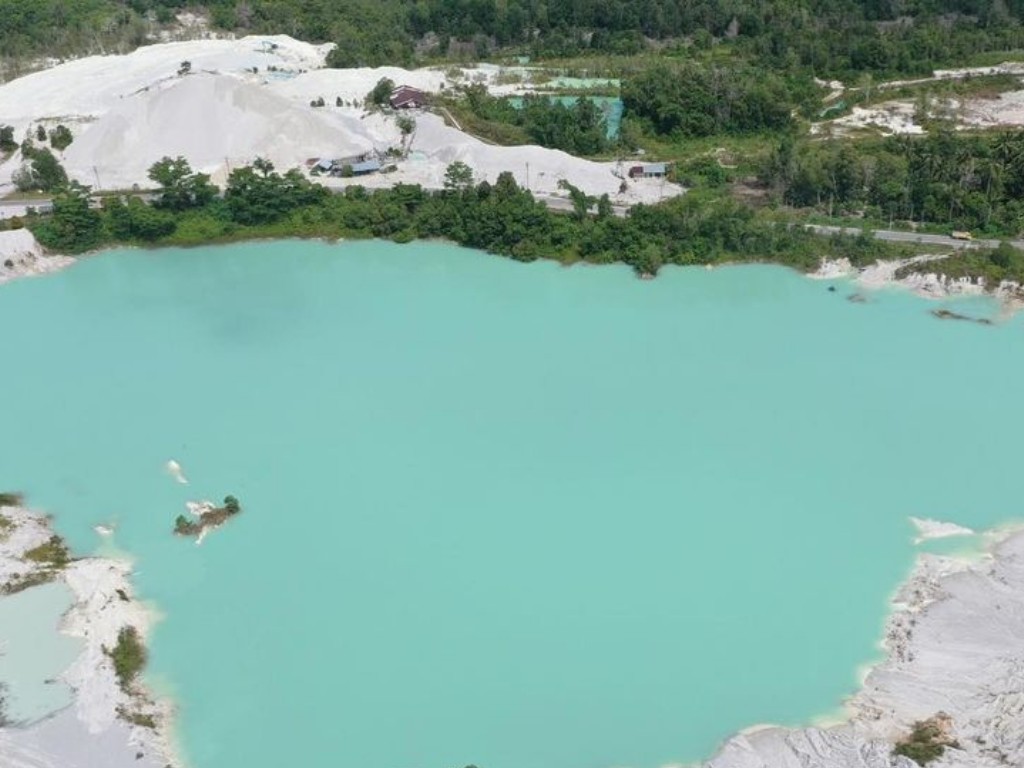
<point>896,236</point>
<point>12,208</point>
<point>563,204</point>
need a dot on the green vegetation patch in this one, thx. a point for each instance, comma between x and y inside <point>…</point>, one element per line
<point>53,553</point>
<point>213,518</point>
<point>928,739</point>
<point>9,499</point>
<point>21,582</point>
<point>136,718</point>
<point>992,265</point>
<point>575,126</point>
<point>961,181</point>
<point>128,656</point>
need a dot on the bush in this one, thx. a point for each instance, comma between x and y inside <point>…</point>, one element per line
<point>926,742</point>
<point>381,92</point>
<point>41,171</point>
<point>61,138</point>
<point>7,142</point>
<point>185,527</point>
<point>53,553</point>
<point>129,657</point>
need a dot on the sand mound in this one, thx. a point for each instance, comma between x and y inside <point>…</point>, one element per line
<point>354,84</point>
<point>127,112</point>
<point>434,145</point>
<point>215,122</point>
<point>89,87</point>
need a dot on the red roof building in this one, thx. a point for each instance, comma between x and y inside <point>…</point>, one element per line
<point>407,97</point>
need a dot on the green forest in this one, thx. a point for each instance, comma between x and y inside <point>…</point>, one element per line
<point>827,37</point>
<point>966,181</point>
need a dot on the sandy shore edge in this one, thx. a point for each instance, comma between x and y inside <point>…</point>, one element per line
<point>922,281</point>
<point>93,732</point>
<point>22,256</point>
<point>954,647</point>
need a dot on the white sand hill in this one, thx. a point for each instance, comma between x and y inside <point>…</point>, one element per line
<point>248,98</point>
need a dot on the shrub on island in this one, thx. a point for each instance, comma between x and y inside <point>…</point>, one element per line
<point>10,499</point>
<point>128,656</point>
<point>211,518</point>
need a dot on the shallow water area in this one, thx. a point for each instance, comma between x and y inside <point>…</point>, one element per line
<point>33,653</point>
<point>517,516</point>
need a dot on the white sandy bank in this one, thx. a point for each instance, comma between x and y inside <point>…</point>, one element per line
<point>954,645</point>
<point>90,733</point>
<point>921,281</point>
<point>22,256</point>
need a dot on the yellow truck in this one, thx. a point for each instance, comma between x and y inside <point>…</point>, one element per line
<point>959,235</point>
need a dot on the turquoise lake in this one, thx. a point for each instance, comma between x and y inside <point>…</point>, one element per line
<point>516,516</point>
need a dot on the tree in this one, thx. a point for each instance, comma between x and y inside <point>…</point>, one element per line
<point>41,171</point>
<point>185,68</point>
<point>60,138</point>
<point>135,220</point>
<point>381,92</point>
<point>406,124</point>
<point>74,226</point>
<point>581,201</point>
<point>458,177</point>
<point>7,142</point>
<point>40,134</point>
<point>180,187</point>
<point>256,194</point>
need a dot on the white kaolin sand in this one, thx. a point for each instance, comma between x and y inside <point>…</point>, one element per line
<point>22,256</point>
<point>954,646</point>
<point>247,98</point>
<point>91,733</point>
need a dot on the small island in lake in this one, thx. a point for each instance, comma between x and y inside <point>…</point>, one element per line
<point>208,516</point>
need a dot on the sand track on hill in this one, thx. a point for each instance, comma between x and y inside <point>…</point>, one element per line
<point>216,122</point>
<point>250,98</point>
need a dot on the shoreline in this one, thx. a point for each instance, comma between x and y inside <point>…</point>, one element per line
<point>27,258</point>
<point>923,283</point>
<point>951,650</point>
<point>105,726</point>
<point>22,256</point>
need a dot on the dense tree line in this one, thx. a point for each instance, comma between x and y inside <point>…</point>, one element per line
<point>966,181</point>
<point>692,99</point>
<point>501,218</point>
<point>578,128</point>
<point>827,37</point>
